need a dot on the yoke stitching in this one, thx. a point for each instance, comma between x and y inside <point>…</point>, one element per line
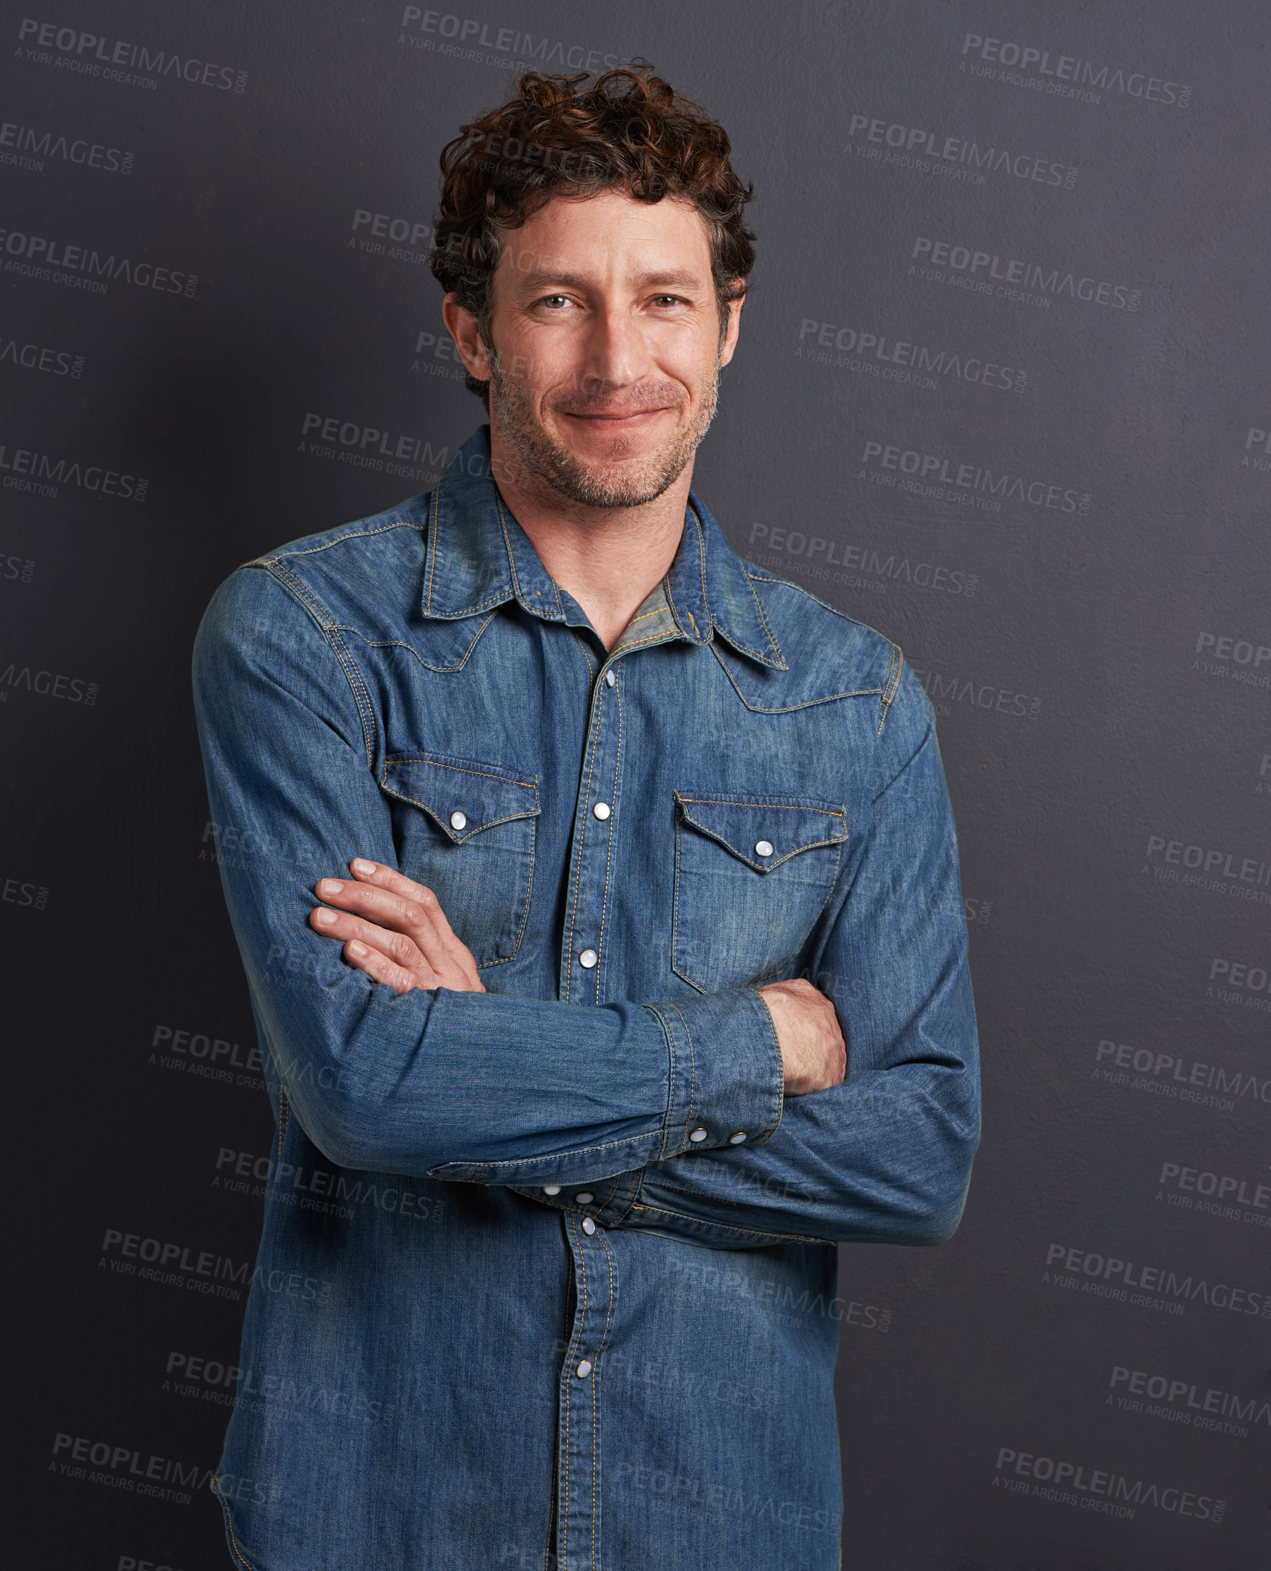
<point>376,643</point>
<point>780,709</point>
<point>351,534</point>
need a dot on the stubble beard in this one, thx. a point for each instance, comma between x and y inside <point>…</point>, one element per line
<point>595,483</point>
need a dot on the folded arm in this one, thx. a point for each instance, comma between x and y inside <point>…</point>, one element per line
<point>885,1155</point>
<point>433,1080</point>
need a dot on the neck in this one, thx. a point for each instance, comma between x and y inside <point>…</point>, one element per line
<point>607,558</point>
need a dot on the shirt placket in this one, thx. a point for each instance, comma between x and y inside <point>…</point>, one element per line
<point>587,1211</point>
<point>578,1481</point>
<point>595,825</point>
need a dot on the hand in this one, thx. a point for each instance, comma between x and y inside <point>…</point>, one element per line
<point>394,929</point>
<point>812,1046</point>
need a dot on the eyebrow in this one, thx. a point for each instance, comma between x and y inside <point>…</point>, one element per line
<point>529,282</point>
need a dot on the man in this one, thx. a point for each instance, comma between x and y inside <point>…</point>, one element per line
<point>613,838</point>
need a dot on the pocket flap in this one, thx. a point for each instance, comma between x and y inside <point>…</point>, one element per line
<point>764,832</point>
<point>462,796</point>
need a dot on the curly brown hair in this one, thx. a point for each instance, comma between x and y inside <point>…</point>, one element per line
<point>629,130</point>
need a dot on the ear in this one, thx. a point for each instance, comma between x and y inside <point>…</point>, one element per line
<point>461,324</point>
<point>734,325</point>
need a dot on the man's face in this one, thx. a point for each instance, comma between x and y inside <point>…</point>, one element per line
<point>607,342</point>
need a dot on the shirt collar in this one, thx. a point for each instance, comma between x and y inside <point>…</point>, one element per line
<point>478,556</point>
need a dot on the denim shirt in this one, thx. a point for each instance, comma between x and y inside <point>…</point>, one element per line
<point>547,1273</point>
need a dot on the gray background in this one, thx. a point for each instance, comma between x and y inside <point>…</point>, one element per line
<point>1100,667</point>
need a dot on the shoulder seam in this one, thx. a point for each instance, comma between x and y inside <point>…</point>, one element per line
<point>268,558</point>
<point>361,697</point>
<point>890,685</point>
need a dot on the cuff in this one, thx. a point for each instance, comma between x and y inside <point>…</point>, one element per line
<point>726,1072</point>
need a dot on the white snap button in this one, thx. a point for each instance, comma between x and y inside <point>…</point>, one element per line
<point>584,1197</point>
<point>763,847</point>
<point>601,810</point>
<point>584,1368</point>
<point>610,678</point>
<point>589,1227</point>
<point>458,820</point>
<point>588,959</point>
<point>736,1140</point>
<point>551,1189</point>
<point>697,1134</point>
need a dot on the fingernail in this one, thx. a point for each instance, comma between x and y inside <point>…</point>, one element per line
<point>330,886</point>
<point>325,917</point>
<point>357,949</point>
<point>361,865</point>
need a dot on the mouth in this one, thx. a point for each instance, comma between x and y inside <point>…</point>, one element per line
<point>618,420</point>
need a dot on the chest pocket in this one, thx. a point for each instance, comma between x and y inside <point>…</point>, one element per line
<point>752,875</point>
<point>465,829</point>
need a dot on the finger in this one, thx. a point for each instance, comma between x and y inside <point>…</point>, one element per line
<point>400,948</point>
<point>390,910</point>
<point>379,967</point>
<point>396,882</point>
<point>439,932</point>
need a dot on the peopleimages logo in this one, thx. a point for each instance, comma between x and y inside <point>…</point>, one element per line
<point>383,234</point>
<point>1227,1192</point>
<point>1152,1287</point>
<point>1207,867</point>
<point>15,892</point>
<point>123,1466</point>
<point>26,147</point>
<point>1236,981</point>
<point>1235,659</point>
<point>369,447</point>
<point>41,357</point>
<point>898,360</point>
<point>1185,1402</point>
<point>84,267</point>
<point>1099,1489</point>
<point>945,479</point>
<point>468,37</point>
<point>1169,1074</point>
<point>24,469</point>
<point>1257,449</point>
<point>1067,76</point>
<point>953,156</point>
<point>784,543</point>
<point>15,678</point>
<point>114,60</point>
<point>1013,278</point>
<point>944,690</point>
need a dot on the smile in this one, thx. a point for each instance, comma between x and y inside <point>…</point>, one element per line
<point>618,422</point>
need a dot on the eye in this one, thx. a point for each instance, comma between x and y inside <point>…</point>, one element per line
<point>547,298</point>
<point>671,299</point>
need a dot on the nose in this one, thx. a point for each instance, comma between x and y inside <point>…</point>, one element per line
<point>615,354</point>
